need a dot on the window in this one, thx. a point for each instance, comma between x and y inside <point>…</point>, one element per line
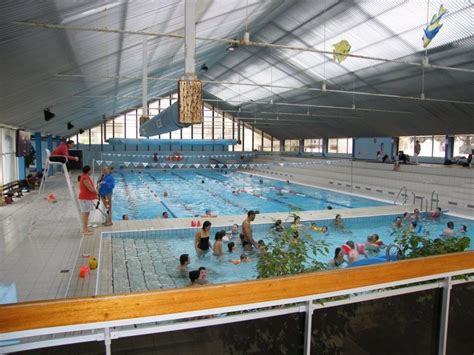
<point>463,145</point>
<point>257,140</point>
<point>96,135</point>
<point>218,122</point>
<point>313,145</point>
<point>208,129</point>
<point>247,138</point>
<point>276,145</point>
<point>340,145</point>
<point>187,132</point>
<point>228,127</point>
<point>131,124</point>
<point>267,143</point>
<point>431,146</point>
<point>292,145</point>
<point>119,126</point>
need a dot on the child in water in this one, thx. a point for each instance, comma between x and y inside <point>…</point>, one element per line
<point>217,249</point>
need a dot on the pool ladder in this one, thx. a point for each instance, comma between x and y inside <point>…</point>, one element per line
<point>405,195</point>
<point>434,198</point>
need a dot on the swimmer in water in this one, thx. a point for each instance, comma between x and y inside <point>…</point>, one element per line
<point>217,249</point>
<point>338,259</point>
<point>234,232</point>
<point>398,223</point>
<point>201,239</point>
<point>278,226</point>
<point>184,261</point>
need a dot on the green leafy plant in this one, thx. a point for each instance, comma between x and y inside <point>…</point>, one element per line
<point>291,251</point>
<point>416,245</point>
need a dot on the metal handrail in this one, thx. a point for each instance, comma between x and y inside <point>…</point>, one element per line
<point>404,188</point>
<point>434,193</point>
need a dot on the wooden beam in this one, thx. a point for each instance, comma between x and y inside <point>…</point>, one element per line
<point>44,314</point>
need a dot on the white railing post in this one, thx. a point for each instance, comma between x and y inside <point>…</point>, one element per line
<point>443,327</point>
<point>107,341</point>
<point>308,327</point>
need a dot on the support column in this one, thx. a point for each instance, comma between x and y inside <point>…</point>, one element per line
<point>39,152</point>
<point>21,168</point>
<point>50,147</point>
<point>449,147</point>
<point>308,327</point>
<point>325,146</point>
<point>301,147</point>
<point>190,40</point>
<point>443,327</point>
<point>282,145</point>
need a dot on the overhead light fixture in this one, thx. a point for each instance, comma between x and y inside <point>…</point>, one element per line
<point>70,125</point>
<point>81,131</point>
<point>48,115</point>
<point>204,68</point>
<point>232,46</point>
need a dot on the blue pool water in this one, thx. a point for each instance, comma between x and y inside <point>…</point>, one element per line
<point>148,260</point>
<point>191,193</point>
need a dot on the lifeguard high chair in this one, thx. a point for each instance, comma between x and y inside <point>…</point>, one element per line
<point>49,164</point>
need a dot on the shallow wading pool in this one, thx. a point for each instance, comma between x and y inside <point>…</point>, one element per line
<point>148,260</point>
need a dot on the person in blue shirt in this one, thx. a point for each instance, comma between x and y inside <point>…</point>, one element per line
<point>106,187</point>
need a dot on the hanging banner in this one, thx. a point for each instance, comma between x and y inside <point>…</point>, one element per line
<point>153,165</point>
<point>99,162</point>
<point>109,162</point>
<point>213,165</point>
<point>197,165</point>
<point>180,165</point>
<point>145,164</point>
<point>162,165</point>
<point>126,163</point>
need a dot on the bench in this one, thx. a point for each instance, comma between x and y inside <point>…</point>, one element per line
<point>15,187</point>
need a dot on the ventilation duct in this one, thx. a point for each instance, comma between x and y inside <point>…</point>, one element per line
<point>165,122</point>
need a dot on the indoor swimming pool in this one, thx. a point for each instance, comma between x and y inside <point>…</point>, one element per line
<point>146,194</point>
<point>148,260</point>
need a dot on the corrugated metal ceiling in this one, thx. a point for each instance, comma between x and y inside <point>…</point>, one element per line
<point>31,59</point>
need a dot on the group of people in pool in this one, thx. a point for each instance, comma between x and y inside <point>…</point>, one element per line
<point>351,252</point>
<point>233,239</point>
<point>414,222</point>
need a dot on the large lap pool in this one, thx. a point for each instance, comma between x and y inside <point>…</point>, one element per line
<point>140,194</point>
<point>148,260</point>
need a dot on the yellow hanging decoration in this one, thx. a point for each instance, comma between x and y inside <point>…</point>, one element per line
<point>341,50</point>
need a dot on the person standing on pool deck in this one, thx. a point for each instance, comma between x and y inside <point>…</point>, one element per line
<point>106,187</point>
<point>417,151</point>
<point>248,241</point>
<point>201,239</point>
<point>87,193</point>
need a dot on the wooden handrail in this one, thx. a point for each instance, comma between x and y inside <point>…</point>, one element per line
<point>44,314</point>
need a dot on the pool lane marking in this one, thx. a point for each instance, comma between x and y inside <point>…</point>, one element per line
<point>156,195</point>
<point>258,195</point>
<point>213,193</point>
